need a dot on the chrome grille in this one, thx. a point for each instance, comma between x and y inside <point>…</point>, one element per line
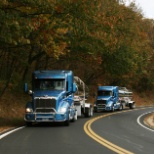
<point>101,102</point>
<point>40,110</point>
<point>44,105</point>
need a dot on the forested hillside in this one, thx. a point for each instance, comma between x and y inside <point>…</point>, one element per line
<point>102,41</point>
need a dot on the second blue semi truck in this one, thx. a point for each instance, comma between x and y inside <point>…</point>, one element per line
<point>52,97</point>
<point>110,98</point>
<point>107,99</point>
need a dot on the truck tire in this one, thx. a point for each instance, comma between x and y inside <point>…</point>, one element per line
<point>28,124</point>
<point>132,105</point>
<point>121,107</point>
<point>112,108</point>
<point>95,109</point>
<point>75,117</point>
<point>67,122</point>
<point>87,112</point>
<point>91,112</point>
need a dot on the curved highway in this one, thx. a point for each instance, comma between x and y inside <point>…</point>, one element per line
<point>124,133</point>
<point>104,133</point>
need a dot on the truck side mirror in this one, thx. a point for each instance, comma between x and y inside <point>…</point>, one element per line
<point>25,87</point>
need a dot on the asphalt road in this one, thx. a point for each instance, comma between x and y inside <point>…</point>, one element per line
<point>124,130</point>
<point>120,129</point>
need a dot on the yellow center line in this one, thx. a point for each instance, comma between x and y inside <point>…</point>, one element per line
<point>101,140</point>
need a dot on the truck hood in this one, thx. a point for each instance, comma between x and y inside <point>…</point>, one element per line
<point>104,97</point>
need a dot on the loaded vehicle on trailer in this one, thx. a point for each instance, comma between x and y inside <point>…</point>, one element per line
<point>52,97</point>
<point>107,99</point>
<point>82,107</point>
<point>125,97</point>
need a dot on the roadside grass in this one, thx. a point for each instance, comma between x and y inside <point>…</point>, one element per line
<point>144,99</point>
<point>12,108</point>
<point>149,120</point>
<point>6,123</point>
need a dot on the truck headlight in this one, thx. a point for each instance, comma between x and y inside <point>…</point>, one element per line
<point>109,105</point>
<point>62,110</point>
<point>29,110</point>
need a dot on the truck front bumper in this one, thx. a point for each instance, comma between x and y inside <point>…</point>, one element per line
<point>105,108</point>
<point>45,117</point>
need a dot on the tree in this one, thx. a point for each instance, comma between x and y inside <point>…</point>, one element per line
<point>101,40</point>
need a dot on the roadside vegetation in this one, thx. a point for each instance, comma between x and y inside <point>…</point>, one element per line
<point>102,41</point>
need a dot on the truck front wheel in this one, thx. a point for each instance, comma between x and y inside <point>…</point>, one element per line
<point>75,117</point>
<point>121,107</point>
<point>67,122</point>
<point>112,108</point>
<point>28,124</point>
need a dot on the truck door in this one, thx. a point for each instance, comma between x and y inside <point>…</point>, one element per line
<point>114,97</point>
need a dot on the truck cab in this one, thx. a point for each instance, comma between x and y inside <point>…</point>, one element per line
<point>107,99</point>
<point>52,97</point>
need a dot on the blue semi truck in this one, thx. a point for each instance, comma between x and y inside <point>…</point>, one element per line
<point>107,99</point>
<point>52,97</point>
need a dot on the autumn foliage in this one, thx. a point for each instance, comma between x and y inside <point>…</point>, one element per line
<point>102,41</point>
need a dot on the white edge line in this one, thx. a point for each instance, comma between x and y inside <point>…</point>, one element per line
<point>9,132</point>
<point>138,121</point>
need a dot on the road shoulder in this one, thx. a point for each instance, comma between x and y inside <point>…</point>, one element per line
<point>149,120</point>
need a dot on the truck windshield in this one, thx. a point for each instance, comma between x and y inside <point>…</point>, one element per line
<point>104,93</point>
<point>49,84</point>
